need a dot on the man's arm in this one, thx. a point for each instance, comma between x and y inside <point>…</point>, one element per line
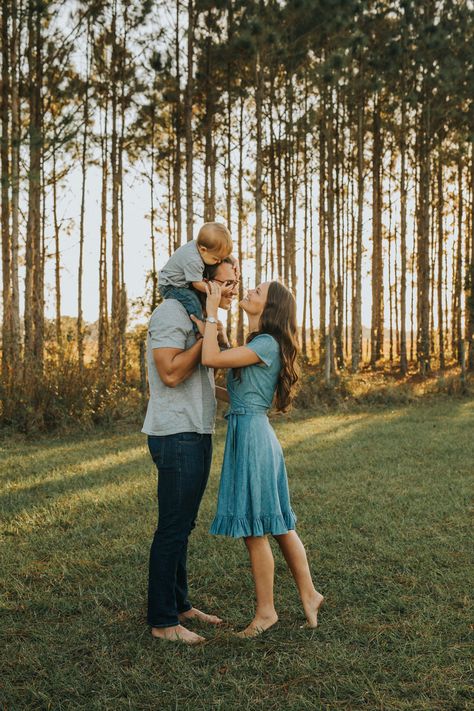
<point>175,365</point>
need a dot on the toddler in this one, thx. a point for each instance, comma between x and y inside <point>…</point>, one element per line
<point>185,268</point>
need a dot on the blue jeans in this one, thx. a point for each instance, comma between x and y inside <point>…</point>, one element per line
<point>183,461</point>
<point>187,297</point>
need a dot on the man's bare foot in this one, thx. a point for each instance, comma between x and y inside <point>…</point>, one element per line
<point>311,609</point>
<point>194,614</point>
<point>258,625</point>
<point>178,633</point>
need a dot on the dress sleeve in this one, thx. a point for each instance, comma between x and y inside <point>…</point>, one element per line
<point>266,347</point>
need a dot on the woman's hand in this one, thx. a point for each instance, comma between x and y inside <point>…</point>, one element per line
<point>214,294</point>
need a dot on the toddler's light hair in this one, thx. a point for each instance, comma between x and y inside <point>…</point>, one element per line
<point>216,238</point>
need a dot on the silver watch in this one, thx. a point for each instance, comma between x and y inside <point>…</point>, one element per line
<point>211,319</point>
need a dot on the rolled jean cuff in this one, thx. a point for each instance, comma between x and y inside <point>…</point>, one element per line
<point>164,624</point>
<point>185,609</point>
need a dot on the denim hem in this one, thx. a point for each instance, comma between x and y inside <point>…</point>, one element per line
<point>166,624</point>
<point>186,609</point>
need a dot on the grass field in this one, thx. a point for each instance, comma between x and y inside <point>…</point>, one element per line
<point>382,497</point>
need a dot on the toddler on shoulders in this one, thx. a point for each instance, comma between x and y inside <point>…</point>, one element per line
<point>185,268</point>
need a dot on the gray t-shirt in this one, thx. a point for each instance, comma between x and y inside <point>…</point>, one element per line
<point>183,267</point>
<point>191,405</point>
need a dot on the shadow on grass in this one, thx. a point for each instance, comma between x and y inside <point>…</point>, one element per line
<point>394,631</point>
<point>21,458</point>
<point>45,493</point>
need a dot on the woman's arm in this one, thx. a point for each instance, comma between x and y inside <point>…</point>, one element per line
<point>213,357</point>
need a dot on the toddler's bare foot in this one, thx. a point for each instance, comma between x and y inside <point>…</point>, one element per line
<point>178,633</point>
<point>194,614</point>
<point>258,625</point>
<point>311,609</point>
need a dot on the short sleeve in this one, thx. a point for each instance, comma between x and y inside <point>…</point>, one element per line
<point>169,326</point>
<point>266,347</point>
<point>193,268</point>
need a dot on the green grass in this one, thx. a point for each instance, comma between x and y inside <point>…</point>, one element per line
<point>382,501</point>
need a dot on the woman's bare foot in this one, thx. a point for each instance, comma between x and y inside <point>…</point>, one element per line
<point>194,614</point>
<point>178,633</point>
<point>311,608</point>
<point>258,625</point>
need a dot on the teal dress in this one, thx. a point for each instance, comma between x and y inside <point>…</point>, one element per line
<point>253,493</point>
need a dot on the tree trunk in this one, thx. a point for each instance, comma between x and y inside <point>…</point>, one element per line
<point>103,343</point>
<point>470,273</point>
<point>275,150</point>
<point>34,315</point>
<point>57,260</point>
<point>356,332</point>
<point>331,240</point>
<point>116,300</point>
<point>154,273</point>
<point>322,242</point>
<point>230,20</point>
<point>209,206</point>
<point>240,216</point>
<point>457,305</point>
<point>123,314</point>
<point>15,179</point>
<point>442,363</point>
<point>7,362</point>
<point>311,269</point>
<point>339,246</point>
<point>188,110</point>
<point>80,267</point>
<point>390,294</point>
<point>258,167</point>
<point>177,133</point>
<point>304,347</point>
<point>423,245</point>
<point>403,242</point>
<point>377,331</point>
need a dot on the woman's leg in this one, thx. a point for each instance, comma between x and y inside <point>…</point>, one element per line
<point>263,568</point>
<point>295,556</point>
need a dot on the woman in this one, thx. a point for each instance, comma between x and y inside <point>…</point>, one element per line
<point>253,495</point>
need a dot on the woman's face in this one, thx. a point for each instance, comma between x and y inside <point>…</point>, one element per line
<point>254,302</point>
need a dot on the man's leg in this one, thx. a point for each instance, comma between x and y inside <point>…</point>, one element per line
<point>205,455</point>
<point>182,462</point>
<point>186,610</point>
<point>170,536</point>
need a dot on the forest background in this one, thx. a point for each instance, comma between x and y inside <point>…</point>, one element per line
<point>335,138</point>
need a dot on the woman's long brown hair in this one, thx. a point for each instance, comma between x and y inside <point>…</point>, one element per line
<point>278,319</point>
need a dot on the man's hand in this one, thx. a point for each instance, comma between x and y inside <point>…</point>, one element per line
<point>222,339</point>
<point>200,324</point>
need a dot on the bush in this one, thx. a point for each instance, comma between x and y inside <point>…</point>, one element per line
<point>64,397</point>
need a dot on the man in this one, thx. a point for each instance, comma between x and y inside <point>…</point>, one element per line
<point>179,423</point>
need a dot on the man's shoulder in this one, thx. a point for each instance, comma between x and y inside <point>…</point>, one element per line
<point>171,311</point>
